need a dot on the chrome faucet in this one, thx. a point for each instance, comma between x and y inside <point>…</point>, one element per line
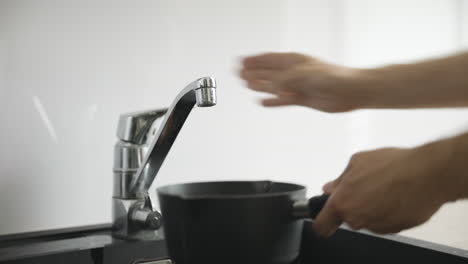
<point>144,140</point>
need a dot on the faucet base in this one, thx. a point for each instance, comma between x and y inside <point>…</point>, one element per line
<point>128,222</point>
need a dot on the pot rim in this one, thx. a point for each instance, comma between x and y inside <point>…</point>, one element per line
<point>166,190</point>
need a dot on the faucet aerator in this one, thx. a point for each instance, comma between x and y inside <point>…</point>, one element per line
<point>206,97</point>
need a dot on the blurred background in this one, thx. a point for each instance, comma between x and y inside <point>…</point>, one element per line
<point>68,69</point>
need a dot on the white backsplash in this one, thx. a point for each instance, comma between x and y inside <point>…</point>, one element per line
<point>69,68</point>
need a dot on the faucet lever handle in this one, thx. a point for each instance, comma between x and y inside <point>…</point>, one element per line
<point>136,127</point>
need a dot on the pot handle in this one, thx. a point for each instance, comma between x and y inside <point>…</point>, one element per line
<point>309,208</point>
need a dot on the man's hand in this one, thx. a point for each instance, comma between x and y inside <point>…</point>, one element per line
<point>388,190</point>
<point>296,79</point>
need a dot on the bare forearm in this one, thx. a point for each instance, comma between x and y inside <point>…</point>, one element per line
<point>433,83</point>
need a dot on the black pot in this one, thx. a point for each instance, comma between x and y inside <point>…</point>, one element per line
<point>235,222</point>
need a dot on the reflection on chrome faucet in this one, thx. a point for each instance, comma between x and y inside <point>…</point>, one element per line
<point>145,139</point>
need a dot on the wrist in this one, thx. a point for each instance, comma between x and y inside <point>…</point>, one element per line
<point>458,166</point>
<point>370,88</point>
<point>442,169</point>
<point>392,86</point>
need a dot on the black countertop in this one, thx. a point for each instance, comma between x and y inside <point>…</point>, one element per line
<point>348,246</point>
<point>95,245</point>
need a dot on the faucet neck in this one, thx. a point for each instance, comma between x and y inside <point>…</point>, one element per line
<point>201,92</point>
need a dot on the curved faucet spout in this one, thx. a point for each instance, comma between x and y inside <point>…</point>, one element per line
<point>202,93</point>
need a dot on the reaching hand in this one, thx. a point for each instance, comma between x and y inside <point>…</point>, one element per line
<point>296,79</point>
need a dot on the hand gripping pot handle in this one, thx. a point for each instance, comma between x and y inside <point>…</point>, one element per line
<point>309,208</point>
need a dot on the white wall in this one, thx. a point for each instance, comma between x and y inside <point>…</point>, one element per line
<point>73,66</point>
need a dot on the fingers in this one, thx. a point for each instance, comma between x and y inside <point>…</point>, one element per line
<point>328,220</point>
<point>253,75</point>
<point>265,73</point>
<point>259,80</point>
<point>261,86</point>
<point>276,61</point>
<point>270,81</point>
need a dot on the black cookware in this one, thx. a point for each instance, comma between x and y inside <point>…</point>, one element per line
<point>235,222</point>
